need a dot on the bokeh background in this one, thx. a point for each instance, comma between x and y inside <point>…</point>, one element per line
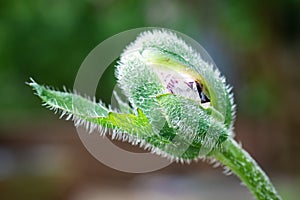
<point>256,45</point>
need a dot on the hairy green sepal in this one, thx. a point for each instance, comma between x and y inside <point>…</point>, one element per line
<point>176,125</point>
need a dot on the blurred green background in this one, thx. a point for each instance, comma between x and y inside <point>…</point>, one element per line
<point>256,45</point>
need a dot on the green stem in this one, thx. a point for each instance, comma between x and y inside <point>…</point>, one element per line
<point>245,167</point>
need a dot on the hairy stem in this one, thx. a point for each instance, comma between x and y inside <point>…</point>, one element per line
<point>245,167</point>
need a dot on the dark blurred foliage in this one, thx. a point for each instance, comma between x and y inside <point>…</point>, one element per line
<point>256,45</point>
